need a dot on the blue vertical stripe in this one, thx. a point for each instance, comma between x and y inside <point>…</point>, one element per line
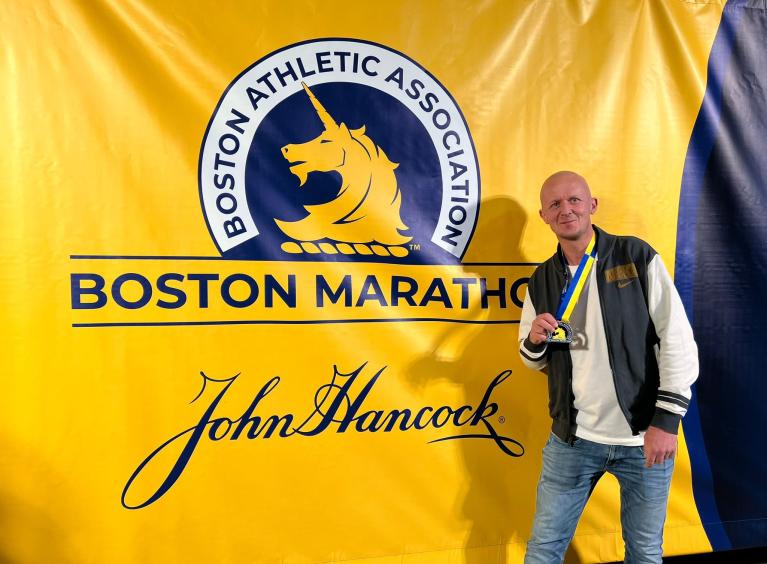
<point>720,233</point>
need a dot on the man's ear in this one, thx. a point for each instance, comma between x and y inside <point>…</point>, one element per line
<point>594,204</point>
<point>540,213</point>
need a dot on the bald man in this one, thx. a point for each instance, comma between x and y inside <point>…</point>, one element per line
<point>603,319</point>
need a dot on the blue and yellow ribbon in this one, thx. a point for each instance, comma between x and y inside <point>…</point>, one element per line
<point>574,287</point>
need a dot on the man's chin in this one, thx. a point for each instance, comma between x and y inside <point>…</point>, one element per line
<point>569,235</point>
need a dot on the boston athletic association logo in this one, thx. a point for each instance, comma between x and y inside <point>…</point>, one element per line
<point>339,150</point>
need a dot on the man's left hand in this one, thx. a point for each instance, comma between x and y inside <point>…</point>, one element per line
<point>658,446</point>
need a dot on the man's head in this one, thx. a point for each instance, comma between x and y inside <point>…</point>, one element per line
<point>567,205</point>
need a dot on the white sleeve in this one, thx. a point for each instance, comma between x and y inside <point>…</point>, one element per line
<point>678,354</point>
<point>534,356</point>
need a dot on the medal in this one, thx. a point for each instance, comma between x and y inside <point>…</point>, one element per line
<point>562,335</point>
<point>570,294</point>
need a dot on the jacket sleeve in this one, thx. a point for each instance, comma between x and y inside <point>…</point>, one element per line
<point>533,356</point>
<point>677,354</point>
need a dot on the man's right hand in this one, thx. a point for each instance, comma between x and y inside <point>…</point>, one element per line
<point>542,326</point>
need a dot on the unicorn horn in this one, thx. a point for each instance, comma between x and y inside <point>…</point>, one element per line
<point>325,118</point>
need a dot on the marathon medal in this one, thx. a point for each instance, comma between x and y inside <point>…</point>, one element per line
<point>563,334</point>
<point>570,294</point>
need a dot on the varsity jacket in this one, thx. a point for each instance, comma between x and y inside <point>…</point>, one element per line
<point>653,356</point>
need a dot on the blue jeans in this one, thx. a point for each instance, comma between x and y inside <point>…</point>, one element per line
<point>568,477</point>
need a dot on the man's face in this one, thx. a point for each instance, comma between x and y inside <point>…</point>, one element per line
<point>566,206</point>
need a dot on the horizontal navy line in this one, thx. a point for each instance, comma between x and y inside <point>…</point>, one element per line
<point>160,257</point>
<point>294,322</point>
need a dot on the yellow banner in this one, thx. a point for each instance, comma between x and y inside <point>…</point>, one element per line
<point>262,267</point>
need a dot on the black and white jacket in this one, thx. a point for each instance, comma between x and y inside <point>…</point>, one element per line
<point>652,353</point>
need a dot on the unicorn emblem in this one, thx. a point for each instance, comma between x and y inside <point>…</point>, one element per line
<point>364,217</point>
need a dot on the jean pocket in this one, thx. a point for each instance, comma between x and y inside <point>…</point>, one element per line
<point>551,439</point>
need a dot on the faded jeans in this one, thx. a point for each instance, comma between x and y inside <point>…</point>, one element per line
<point>570,474</point>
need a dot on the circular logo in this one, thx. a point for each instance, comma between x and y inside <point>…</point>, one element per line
<point>339,150</point>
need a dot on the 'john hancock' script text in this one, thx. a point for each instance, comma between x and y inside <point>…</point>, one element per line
<point>337,408</point>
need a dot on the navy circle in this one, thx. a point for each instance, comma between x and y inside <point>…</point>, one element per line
<point>274,192</point>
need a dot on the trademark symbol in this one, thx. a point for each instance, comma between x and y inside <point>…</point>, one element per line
<point>415,246</point>
<point>501,419</point>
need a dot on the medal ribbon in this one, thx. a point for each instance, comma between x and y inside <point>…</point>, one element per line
<point>574,287</point>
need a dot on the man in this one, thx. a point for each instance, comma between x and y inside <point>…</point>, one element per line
<point>619,389</point>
